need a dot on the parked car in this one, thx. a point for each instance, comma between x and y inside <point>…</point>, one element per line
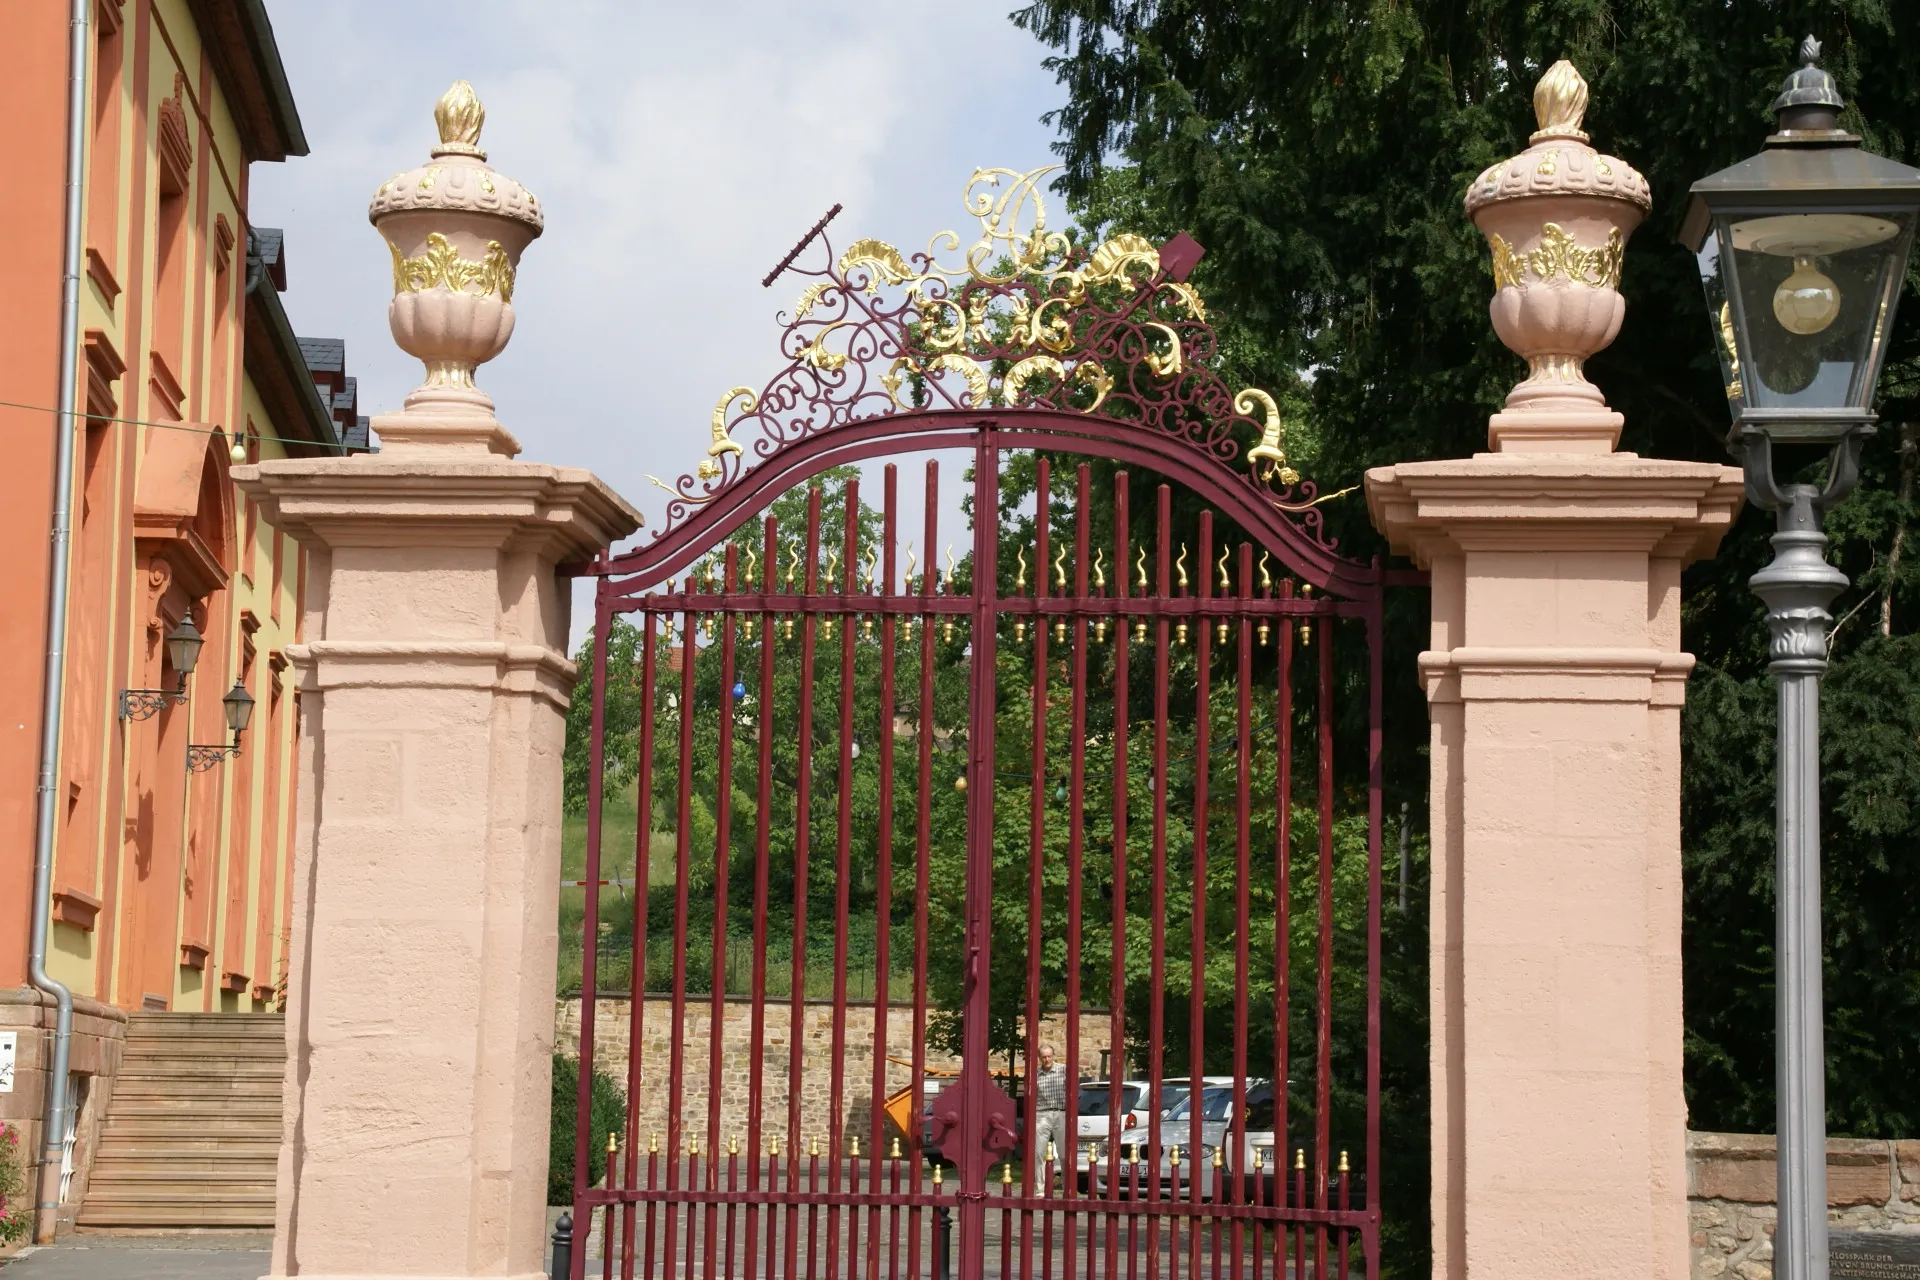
<point>1174,1092</point>
<point>1258,1147</point>
<point>1093,1124</point>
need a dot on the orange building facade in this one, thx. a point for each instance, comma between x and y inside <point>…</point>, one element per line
<point>170,886</point>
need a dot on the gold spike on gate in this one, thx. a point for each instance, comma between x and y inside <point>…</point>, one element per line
<point>946,629</point>
<point>1226,588</point>
<point>813,1146</point>
<point>936,1176</point>
<point>1020,589</point>
<point>895,1153</point>
<point>1060,582</point>
<point>1180,575</point>
<point>1140,568</point>
<point>1100,585</point>
<point>855,1151</point>
<point>826,623</point>
<point>793,567</point>
<point>653,1144</point>
<point>1306,630</point>
<point>733,1145</point>
<point>1006,1174</point>
<point>1300,1158</point>
<point>773,1149</point>
<point>693,1145</point>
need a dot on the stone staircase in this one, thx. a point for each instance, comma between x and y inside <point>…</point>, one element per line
<point>192,1134</point>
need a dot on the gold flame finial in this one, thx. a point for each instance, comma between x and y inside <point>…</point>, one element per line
<point>460,117</point>
<point>1559,103</point>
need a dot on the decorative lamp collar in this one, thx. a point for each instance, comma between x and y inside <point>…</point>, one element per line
<point>1809,106</point>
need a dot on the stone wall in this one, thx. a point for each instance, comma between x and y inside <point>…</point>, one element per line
<point>1871,1185</point>
<point>99,1036</point>
<point>612,1039</point>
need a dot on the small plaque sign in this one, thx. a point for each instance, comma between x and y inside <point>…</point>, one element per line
<point>9,1046</point>
<point>1873,1255</point>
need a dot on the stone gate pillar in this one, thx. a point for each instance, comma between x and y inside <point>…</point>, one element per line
<point>1555,680</point>
<point>433,683</point>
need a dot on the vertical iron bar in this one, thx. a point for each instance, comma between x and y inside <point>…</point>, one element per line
<point>1323,1066</point>
<point>682,854</point>
<point>1117,960</point>
<point>642,873</point>
<point>762,840</point>
<point>976,1001</point>
<point>1243,908</point>
<point>1376,766</point>
<point>1157,980</point>
<point>922,855</point>
<point>1197,993</point>
<point>802,838</point>
<point>1036,834</point>
<point>723,836</point>
<point>842,883</point>
<point>1076,850</point>
<point>1283,906</point>
<point>883,870</point>
<point>590,924</point>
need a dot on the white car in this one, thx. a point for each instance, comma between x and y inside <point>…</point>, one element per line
<point>1092,1125</point>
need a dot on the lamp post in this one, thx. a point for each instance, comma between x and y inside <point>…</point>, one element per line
<point>183,650</point>
<point>1803,250</point>
<point>238,705</point>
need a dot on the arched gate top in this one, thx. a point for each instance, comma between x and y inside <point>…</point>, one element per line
<point>1105,351</point>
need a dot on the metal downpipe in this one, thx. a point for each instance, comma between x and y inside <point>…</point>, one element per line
<point>54,1127</point>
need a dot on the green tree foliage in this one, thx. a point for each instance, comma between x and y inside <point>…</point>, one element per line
<point>1320,149</point>
<point>607,1114</point>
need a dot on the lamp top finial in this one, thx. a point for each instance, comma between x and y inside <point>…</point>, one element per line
<point>1560,103</point>
<point>460,117</point>
<point>1811,85</point>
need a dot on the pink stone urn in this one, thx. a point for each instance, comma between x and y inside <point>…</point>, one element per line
<point>456,229</point>
<point>1557,217</point>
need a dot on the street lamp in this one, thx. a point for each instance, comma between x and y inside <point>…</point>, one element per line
<point>238,705</point>
<point>1803,250</point>
<point>183,650</point>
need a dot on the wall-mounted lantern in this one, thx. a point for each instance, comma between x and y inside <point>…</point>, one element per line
<point>238,705</point>
<point>183,650</point>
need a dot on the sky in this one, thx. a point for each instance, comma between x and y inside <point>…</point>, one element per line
<point>678,152</point>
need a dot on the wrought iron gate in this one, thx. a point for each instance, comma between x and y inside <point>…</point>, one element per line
<point>1099,805</point>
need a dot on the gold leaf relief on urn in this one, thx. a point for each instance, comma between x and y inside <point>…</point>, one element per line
<point>441,266</point>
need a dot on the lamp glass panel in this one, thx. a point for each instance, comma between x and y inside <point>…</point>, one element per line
<point>239,704</point>
<point>1808,299</point>
<point>1720,321</point>
<point>183,646</point>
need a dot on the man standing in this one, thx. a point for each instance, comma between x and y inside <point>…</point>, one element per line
<point>1050,1112</point>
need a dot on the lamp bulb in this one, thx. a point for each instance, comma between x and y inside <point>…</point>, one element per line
<point>1806,301</point>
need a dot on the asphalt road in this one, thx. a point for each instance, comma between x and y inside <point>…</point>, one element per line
<point>191,1256</point>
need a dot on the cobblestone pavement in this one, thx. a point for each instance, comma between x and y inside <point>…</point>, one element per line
<point>186,1256</point>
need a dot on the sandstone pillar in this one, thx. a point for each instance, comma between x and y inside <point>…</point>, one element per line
<point>1555,680</point>
<point>433,683</point>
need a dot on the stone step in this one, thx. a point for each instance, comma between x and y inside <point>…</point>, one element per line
<point>263,1112</point>
<point>143,1084</point>
<point>114,1173</point>
<point>180,1207</point>
<point>199,1023</point>
<point>168,1155</point>
<point>225,1049</point>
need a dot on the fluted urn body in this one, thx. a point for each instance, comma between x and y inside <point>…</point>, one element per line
<point>455,229</point>
<point>1557,217</point>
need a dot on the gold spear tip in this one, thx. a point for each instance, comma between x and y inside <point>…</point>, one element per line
<point>460,117</point>
<point>1560,103</point>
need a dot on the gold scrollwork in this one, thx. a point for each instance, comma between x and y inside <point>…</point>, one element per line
<point>882,260</point>
<point>1014,383</point>
<point>976,376</point>
<point>1509,272</point>
<point>441,266</point>
<point>816,354</point>
<point>809,296</point>
<point>1092,374</point>
<point>1114,259</point>
<point>1559,255</point>
<point>1597,268</point>
<point>722,441</point>
<point>1269,452</point>
<point>1164,363</point>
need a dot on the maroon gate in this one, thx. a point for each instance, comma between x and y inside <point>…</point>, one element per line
<point>898,823</point>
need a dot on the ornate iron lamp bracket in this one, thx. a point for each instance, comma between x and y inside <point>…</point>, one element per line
<point>201,759</point>
<point>142,704</point>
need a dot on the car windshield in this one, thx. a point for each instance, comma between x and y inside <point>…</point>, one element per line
<point>1095,1101</point>
<point>1213,1104</point>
